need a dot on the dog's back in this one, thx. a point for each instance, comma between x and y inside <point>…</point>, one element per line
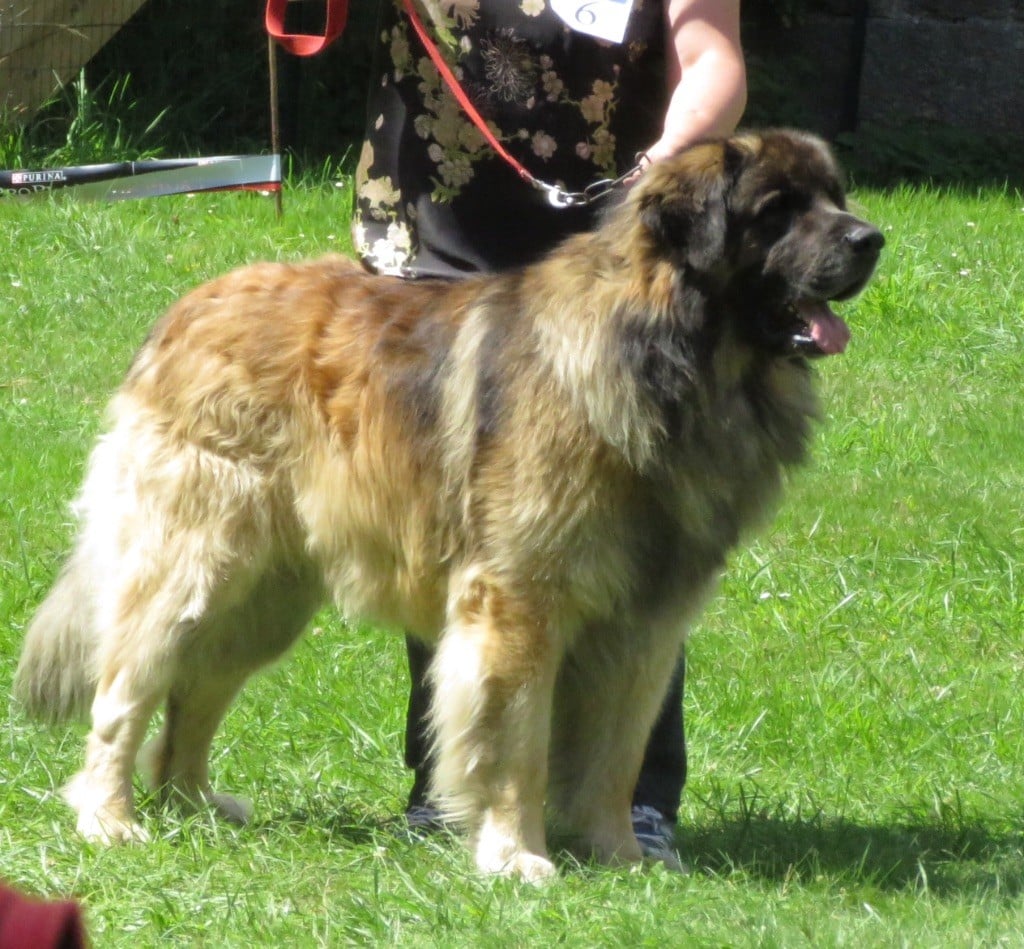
<point>253,423</point>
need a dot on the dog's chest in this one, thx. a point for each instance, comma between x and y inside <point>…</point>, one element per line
<point>720,477</point>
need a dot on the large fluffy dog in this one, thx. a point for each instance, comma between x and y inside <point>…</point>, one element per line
<point>541,472</point>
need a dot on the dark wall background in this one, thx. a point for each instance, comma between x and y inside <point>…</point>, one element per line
<point>958,62</point>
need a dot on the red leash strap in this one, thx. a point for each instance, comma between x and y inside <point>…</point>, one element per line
<point>302,44</point>
<point>463,99</point>
<point>557,196</point>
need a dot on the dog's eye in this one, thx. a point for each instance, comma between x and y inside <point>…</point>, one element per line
<point>778,203</point>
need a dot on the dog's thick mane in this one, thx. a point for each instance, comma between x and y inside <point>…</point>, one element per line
<point>621,341</point>
<point>648,354</point>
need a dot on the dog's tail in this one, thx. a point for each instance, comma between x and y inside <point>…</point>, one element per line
<point>57,674</point>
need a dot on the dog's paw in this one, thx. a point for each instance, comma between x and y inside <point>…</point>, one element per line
<point>529,867</point>
<point>102,818</point>
<point>500,847</point>
<point>235,810</point>
<point>107,827</point>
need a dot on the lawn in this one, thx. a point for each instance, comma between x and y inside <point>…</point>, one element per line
<point>854,696</point>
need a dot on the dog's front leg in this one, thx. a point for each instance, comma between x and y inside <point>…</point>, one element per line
<point>609,693</point>
<point>493,676</point>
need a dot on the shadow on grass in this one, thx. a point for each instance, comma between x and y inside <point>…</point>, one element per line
<point>941,858</point>
<point>354,826</point>
<point>947,857</point>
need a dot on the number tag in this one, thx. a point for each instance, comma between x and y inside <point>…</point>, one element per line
<point>605,19</point>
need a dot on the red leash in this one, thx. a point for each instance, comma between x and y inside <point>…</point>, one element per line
<point>460,94</point>
<point>301,44</point>
<point>337,14</point>
<point>557,196</point>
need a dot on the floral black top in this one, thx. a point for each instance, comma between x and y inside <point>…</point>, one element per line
<point>432,197</point>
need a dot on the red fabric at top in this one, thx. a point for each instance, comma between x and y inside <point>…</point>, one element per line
<point>301,44</point>
<point>33,924</point>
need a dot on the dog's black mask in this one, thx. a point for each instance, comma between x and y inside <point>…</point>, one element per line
<point>762,221</point>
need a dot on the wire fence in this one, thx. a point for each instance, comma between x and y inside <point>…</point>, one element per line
<point>183,76</point>
<point>44,43</point>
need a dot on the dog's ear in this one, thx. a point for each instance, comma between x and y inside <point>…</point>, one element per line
<point>684,202</point>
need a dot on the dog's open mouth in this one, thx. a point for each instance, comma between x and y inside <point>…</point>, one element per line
<point>817,330</point>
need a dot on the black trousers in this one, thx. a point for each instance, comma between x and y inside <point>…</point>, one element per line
<point>662,775</point>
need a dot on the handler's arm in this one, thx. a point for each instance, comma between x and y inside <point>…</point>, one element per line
<point>706,74</point>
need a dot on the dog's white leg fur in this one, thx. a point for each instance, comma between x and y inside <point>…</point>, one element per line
<point>143,597</point>
<point>101,793</point>
<point>147,613</point>
<point>491,720</point>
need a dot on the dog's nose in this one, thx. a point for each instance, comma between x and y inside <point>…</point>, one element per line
<point>863,238</point>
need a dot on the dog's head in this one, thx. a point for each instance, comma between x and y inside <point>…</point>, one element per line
<point>760,222</point>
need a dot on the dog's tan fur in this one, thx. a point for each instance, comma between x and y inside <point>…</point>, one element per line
<point>541,472</point>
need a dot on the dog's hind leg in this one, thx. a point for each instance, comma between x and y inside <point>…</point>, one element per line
<point>228,647</point>
<point>178,526</point>
<point>176,761</point>
<point>493,675</point>
<point>610,690</point>
<point>152,606</point>
<point>133,677</point>
<point>159,605</point>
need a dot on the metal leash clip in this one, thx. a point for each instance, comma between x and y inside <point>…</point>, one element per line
<point>558,197</point>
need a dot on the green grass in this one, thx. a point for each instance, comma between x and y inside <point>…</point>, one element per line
<point>854,714</point>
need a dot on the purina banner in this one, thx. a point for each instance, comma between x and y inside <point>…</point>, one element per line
<point>118,181</point>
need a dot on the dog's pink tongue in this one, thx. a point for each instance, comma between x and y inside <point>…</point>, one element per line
<point>828,330</point>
